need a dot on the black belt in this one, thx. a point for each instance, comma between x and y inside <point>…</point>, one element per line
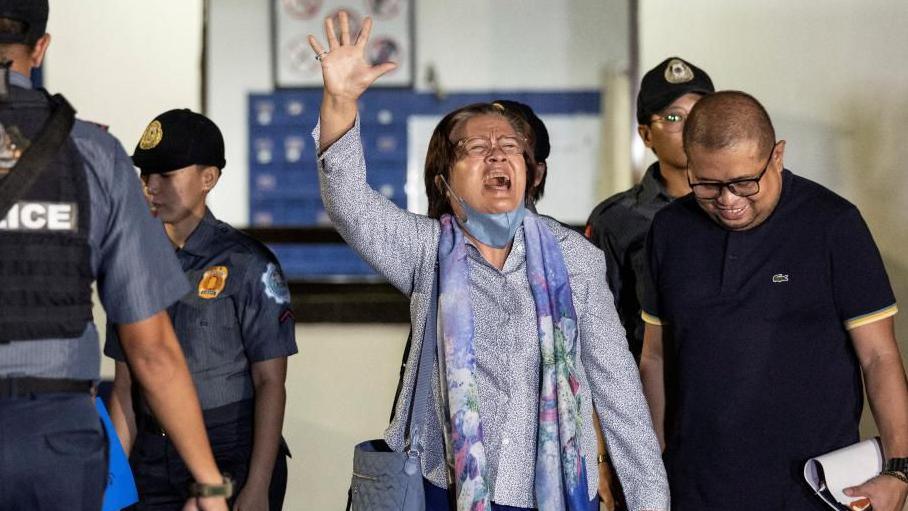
<point>23,387</point>
<point>225,414</point>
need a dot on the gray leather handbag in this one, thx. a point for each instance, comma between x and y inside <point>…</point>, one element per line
<point>385,480</point>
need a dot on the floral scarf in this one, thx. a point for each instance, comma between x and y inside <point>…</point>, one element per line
<point>560,480</point>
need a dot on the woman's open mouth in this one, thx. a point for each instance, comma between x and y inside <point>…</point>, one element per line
<point>497,181</point>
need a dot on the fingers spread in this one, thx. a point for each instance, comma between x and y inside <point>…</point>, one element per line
<point>381,69</point>
<point>364,32</point>
<point>329,33</point>
<point>345,27</point>
<point>314,44</point>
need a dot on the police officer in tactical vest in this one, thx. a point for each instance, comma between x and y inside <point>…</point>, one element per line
<point>72,213</point>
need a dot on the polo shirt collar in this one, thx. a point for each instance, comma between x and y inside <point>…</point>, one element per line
<point>651,185</point>
<point>200,241</point>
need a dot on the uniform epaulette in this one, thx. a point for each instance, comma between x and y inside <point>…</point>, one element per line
<point>103,127</point>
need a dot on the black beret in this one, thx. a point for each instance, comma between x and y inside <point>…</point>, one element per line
<point>31,12</point>
<point>671,79</point>
<point>543,147</point>
<point>177,139</point>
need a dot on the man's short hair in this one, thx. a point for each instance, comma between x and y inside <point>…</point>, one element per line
<point>10,29</point>
<point>726,118</point>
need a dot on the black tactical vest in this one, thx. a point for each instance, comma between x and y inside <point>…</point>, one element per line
<point>45,259</point>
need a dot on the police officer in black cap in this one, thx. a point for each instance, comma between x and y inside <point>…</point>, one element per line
<point>619,224</point>
<point>235,326</point>
<point>71,213</point>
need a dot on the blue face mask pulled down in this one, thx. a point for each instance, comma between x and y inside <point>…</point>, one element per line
<point>492,229</point>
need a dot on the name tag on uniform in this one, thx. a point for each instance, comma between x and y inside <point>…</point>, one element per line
<point>212,282</point>
<point>41,216</point>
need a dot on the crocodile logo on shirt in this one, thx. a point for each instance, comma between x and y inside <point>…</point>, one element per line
<point>779,277</point>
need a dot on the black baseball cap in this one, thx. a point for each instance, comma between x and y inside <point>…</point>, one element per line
<point>671,79</point>
<point>31,12</point>
<point>543,147</point>
<point>177,139</point>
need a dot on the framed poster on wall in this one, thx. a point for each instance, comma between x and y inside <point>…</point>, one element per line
<point>294,20</point>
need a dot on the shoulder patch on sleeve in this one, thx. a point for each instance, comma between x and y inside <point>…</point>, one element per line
<point>275,284</point>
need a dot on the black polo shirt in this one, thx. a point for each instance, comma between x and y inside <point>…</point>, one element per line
<point>766,374</point>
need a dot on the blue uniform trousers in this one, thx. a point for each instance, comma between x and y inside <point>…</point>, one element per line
<point>53,453</point>
<point>163,479</point>
<point>161,476</point>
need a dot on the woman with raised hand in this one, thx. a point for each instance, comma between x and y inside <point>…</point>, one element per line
<point>530,335</point>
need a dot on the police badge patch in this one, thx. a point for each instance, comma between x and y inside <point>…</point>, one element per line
<point>677,71</point>
<point>152,136</point>
<point>275,285</point>
<point>212,282</point>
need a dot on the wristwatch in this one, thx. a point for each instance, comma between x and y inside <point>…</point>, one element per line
<point>897,468</point>
<point>225,489</point>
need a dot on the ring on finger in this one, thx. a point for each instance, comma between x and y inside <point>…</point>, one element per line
<point>321,55</point>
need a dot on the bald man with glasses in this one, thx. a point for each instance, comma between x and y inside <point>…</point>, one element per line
<point>766,304</point>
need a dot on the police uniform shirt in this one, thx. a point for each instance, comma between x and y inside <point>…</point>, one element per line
<point>618,226</point>
<point>767,376</point>
<point>131,259</point>
<point>237,313</point>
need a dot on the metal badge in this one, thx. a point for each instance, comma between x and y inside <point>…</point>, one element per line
<point>152,136</point>
<point>213,281</point>
<point>677,71</point>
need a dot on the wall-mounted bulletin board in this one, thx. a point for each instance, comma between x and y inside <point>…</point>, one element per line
<point>294,20</point>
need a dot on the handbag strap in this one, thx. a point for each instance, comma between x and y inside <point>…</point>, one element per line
<point>423,375</point>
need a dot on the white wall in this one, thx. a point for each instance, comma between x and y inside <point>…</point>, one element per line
<point>834,78</point>
<point>472,44</point>
<point>121,63</point>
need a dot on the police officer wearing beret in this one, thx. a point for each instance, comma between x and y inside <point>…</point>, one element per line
<point>618,225</point>
<point>71,213</point>
<point>235,326</point>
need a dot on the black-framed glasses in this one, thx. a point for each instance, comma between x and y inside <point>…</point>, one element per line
<point>743,187</point>
<point>672,121</point>
<point>481,147</point>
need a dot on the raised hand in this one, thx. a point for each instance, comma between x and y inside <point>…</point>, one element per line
<point>346,74</point>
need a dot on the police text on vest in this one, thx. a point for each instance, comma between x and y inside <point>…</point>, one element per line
<point>41,216</point>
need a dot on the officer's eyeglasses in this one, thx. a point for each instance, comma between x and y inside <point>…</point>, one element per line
<point>481,147</point>
<point>744,187</point>
<point>672,121</point>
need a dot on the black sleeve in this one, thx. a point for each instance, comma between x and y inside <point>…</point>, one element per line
<point>862,290</point>
<point>650,303</point>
